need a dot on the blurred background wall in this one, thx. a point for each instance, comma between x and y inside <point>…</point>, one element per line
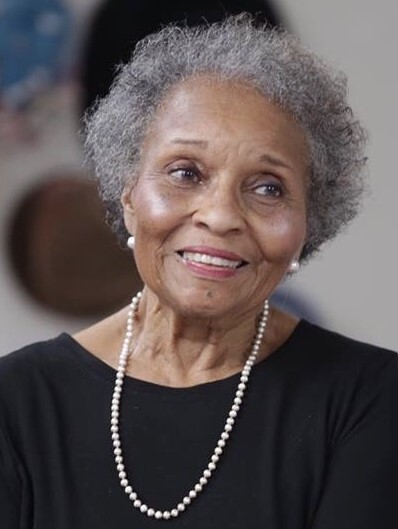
<point>351,287</point>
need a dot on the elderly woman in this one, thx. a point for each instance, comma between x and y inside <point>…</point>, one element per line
<point>226,155</point>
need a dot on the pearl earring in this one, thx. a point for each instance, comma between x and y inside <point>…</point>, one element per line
<point>131,242</point>
<point>294,266</point>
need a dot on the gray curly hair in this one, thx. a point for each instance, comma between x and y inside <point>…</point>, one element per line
<point>271,61</point>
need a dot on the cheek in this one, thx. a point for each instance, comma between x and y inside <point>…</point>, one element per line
<point>155,210</point>
<point>283,236</point>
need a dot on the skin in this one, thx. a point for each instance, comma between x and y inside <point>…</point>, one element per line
<point>221,167</point>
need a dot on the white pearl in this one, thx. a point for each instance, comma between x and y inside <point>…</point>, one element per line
<point>230,421</point>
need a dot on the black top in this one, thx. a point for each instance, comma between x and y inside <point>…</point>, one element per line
<point>315,445</point>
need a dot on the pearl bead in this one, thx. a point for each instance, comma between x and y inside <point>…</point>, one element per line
<point>230,421</point>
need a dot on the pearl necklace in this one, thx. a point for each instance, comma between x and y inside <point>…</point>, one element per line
<point>221,443</point>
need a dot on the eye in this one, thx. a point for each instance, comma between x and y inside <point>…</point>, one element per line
<point>185,174</point>
<point>268,189</point>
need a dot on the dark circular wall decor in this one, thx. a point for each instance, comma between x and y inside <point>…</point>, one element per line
<point>64,254</point>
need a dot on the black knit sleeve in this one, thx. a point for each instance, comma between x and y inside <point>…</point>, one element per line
<point>10,487</point>
<point>361,486</point>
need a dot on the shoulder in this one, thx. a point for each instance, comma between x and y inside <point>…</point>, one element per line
<point>330,346</point>
<point>22,359</point>
<point>26,368</point>
<point>335,369</point>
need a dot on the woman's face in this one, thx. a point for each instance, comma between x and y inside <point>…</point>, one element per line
<point>219,207</point>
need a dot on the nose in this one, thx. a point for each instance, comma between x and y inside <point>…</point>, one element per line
<point>219,210</point>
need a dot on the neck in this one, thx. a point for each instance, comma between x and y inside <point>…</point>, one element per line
<point>177,350</point>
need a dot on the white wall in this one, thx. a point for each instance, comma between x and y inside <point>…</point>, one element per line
<point>354,282</point>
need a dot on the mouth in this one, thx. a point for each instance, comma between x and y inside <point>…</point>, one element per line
<point>209,259</point>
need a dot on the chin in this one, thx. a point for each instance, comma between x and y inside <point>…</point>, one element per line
<point>203,303</point>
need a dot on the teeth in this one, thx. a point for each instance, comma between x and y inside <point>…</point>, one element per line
<point>209,259</point>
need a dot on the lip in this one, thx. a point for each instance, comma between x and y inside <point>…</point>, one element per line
<point>211,272</point>
<point>213,252</point>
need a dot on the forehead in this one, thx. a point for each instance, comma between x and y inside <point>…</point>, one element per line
<point>200,106</point>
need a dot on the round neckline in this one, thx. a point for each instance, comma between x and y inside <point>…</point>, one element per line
<point>100,368</point>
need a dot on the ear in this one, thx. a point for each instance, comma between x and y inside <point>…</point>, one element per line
<point>128,209</point>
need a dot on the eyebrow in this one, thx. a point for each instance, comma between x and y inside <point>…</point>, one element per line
<point>263,158</point>
<point>274,161</point>
<point>199,143</point>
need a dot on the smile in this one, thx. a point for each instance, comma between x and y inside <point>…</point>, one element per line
<point>210,260</point>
